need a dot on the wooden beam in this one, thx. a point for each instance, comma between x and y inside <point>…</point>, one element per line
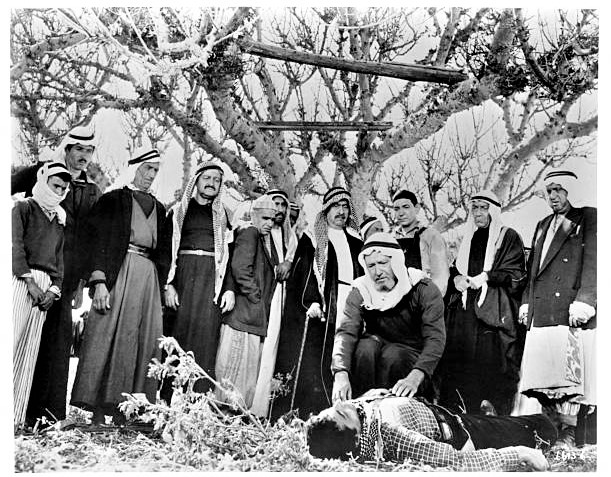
<point>324,125</point>
<point>410,72</point>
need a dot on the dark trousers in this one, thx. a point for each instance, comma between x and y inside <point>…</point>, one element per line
<point>506,431</point>
<point>50,383</point>
<point>378,363</point>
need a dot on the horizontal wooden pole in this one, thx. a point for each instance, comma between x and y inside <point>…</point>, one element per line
<point>324,125</point>
<point>410,72</point>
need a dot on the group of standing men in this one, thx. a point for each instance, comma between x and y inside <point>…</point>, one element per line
<point>295,323</point>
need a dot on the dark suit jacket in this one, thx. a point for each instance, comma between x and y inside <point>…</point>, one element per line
<point>252,268</point>
<point>568,271</point>
<point>110,227</point>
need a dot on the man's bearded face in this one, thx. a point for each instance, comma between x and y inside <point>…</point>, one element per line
<point>380,271</point>
<point>209,183</point>
<point>337,215</point>
<point>281,207</point>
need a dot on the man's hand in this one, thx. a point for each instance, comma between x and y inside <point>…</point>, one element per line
<point>170,297</point>
<point>523,314</point>
<point>282,270</point>
<point>341,387</point>
<point>461,283</point>
<point>227,301</point>
<point>77,299</point>
<point>47,300</point>
<point>34,290</point>
<point>533,458</point>
<point>101,298</point>
<point>477,281</point>
<point>408,386</point>
<point>315,311</point>
<point>580,313</point>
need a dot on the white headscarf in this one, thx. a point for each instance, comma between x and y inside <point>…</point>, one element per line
<point>494,231</point>
<point>79,135</point>
<point>374,299</point>
<point>140,156</point>
<point>43,195</point>
<point>288,234</point>
<point>568,181</point>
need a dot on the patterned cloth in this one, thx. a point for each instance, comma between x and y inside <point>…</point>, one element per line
<point>222,233</point>
<point>416,437</point>
<point>27,328</point>
<point>321,236</point>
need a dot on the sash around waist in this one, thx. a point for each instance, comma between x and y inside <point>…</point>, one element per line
<point>204,253</point>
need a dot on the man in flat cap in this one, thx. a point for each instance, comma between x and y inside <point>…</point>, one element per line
<point>392,334</point>
<point>125,320</point>
<point>321,277</point>
<point>559,310</point>
<point>49,389</point>
<point>424,247</point>
<point>38,268</point>
<point>244,329</point>
<point>194,246</point>
<point>481,365</point>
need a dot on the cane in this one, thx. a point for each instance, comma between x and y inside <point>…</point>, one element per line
<point>303,341</point>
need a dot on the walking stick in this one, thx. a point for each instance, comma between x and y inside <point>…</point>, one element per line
<point>303,341</point>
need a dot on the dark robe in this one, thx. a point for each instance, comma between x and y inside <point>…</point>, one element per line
<point>50,383</point>
<point>484,345</point>
<point>315,381</point>
<point>197,321</point>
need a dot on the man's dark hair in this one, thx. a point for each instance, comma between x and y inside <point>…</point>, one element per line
<point>327,441</point>
<point>406,194</point>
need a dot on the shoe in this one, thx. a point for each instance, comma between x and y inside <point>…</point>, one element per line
<point>487,409</point>
<point>566,438</point>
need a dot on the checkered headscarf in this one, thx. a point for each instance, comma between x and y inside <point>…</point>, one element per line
<point>332,197</point>
<point>219,226</point>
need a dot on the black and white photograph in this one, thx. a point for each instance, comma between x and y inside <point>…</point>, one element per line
<point>303,238</point>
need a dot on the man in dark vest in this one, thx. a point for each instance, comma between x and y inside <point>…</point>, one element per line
<point>49,388</point>
<point>424,247</point>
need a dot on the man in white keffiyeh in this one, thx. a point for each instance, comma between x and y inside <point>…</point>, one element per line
<point>392,333</point>
<point>195,247</point>
<point>482,357</point>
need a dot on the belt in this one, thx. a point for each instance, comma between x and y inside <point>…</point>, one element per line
<point>138,250</point>
<point>452,429</point>
<point>196,252</point>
